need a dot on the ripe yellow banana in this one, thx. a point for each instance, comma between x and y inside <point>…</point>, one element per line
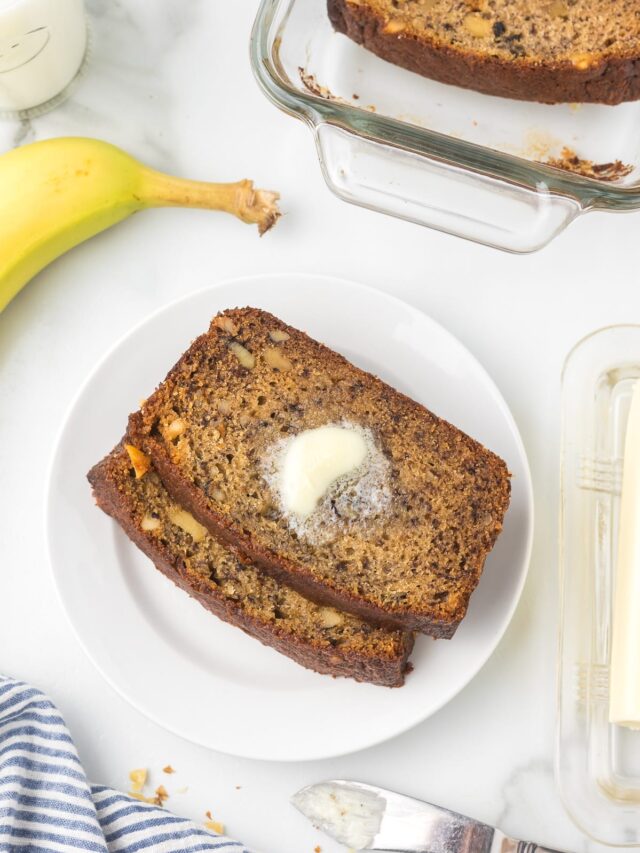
<point>56,193</point>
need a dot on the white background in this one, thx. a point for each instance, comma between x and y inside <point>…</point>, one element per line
<point>170,81</point>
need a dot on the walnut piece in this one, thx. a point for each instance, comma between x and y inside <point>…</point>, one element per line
<point>243,355</point>
<point>185,521</point>
<point>477,26</point>
<point>582,61</point>
<point>140,461</point>
<point>149,523</point>
<point>176,428</point>
<point>274,358</point>
<point>226,324</point>
<point>330,618</point>
<point>393,27</point>
<point>278,335</point>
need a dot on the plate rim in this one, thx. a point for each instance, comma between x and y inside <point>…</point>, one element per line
<point>504,408</point>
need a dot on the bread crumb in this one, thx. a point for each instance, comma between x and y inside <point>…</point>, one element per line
<point>311,84</point>
<point>168,769</point>
<point>570,162</point>
<point>212,824</point>
<point>143,798</point>
<point>238,787</point>
<point>317,849</point>
<point>138,779</point>
<point>161,795</point>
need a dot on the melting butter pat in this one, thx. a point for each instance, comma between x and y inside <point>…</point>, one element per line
<point>314,460</point>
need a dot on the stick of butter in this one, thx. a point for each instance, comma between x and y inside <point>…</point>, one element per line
<point>624,690</point>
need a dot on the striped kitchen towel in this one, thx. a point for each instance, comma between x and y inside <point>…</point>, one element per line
<point>46,802</point>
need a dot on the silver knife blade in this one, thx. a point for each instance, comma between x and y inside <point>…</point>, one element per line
<point>364,817</point>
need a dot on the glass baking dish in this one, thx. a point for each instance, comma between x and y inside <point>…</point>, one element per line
<point>597,763</point>
<point>504,173</point>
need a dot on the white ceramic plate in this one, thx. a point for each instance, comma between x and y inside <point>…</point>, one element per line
<point>177,663</point>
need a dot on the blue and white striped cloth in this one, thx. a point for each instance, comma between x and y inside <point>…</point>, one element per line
<point>46,802</point>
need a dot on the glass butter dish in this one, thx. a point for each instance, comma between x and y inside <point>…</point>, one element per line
<point>598,763</point>
<point>505,173</point>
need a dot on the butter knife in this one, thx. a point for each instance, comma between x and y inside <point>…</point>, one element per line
<point>367,818</point>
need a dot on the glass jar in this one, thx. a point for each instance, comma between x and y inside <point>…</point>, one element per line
<point>43,44</point>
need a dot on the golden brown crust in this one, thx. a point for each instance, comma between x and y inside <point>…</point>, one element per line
<point>416,564</point>
<point>355,650</point>
<point>607,79</point>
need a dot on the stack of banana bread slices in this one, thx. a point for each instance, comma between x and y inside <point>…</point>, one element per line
<point>394,547</point>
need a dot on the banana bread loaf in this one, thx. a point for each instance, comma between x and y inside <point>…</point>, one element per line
<point>550,51</point>
<point>403,544</point>
<point>319,638</point>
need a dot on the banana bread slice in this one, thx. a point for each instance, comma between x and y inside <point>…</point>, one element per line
<point>550,51</point>
<point>403,544</point>
<point>319,638</point>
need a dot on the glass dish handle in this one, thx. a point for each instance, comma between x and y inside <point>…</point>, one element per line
<point>435,193</point>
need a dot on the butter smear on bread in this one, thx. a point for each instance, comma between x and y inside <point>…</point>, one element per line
<point>314,460</point>
<point>328,478</point>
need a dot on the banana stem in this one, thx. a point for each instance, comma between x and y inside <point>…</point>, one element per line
<point>242,199</point>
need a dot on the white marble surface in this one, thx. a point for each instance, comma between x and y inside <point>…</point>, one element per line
<point>170,81</point>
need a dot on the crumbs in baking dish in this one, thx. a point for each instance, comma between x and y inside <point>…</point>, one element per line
<point>570,162</point>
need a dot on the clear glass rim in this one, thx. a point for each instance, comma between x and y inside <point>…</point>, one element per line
<point>603,330</point>
<point>47,106</point>
<point>468,156</point>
